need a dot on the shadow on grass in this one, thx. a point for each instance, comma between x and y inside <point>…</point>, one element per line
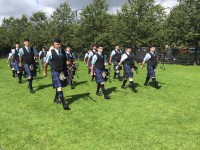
<point>41,87</point>
<point>110,90</point>
<point>80,83</point>
<point>77,97</point>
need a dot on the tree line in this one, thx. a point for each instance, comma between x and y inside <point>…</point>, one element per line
<point>138,22</point>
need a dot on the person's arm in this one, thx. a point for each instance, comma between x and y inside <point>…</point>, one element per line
<point>20,53</point>
<point>86,56</point>
<point>89,56</point>
<point>12,55</point>
<point>47,60</point>
<point>146,58</point>
<point>111,55</point>
<point>94,59</point>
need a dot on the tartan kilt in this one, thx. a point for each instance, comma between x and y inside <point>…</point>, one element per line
<point>150,71</point>
<point>27,70</point>
<point>89,63</point>
<point>56,82</point>
<point>99,77</point>
<point>127,71</point>
<point>16,66</point>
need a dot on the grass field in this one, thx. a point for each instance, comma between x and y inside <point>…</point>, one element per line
<point>168,118</point>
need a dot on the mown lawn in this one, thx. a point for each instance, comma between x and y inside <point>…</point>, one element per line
<point>168,118</point>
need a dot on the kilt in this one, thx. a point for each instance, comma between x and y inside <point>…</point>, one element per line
<point>27,70</point>
<point>16,66</point>
<point>89,63</point>
<point>127,71</point>
<point>99,77</point>
<point>150,71</point>
<point>56,80</point>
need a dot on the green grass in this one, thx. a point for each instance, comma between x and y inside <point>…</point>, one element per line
<point>168,118</point>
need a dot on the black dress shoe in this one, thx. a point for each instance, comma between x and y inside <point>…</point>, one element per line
<point>123,86</point>
<point>120,79</point>
<point>106,97</point>
<point>66,107</point>
<point>20,81</point>
<point>98,94</point>
<point>31,91</point>
<point>56,100</point>
<point>72,87</point>
<point>134,90</point>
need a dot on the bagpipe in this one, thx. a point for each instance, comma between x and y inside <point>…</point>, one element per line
<point>73,68</point>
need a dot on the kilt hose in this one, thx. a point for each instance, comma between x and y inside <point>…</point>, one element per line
<point>128,71</point>
<point>150,71</point>
<point>98,72</point>
<point>56,82</point>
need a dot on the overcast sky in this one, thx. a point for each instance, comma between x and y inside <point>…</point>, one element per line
<point>18,7</point>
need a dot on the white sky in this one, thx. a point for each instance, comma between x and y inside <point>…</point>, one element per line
<point>18,7</point>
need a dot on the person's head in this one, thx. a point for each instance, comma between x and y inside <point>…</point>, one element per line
<point>57,43</point>
<point>94,46</point>
<point>43,48</point>
<point>68,49</point>
<point>117,47</point>
<point>89,50</point>
<point>100,49</point>
<point>17,45</point>
<point>128,48</point>
<point>26,42</point>
<point>152,48</point>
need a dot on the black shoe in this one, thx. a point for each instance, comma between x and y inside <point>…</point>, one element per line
<point>114,77</point>
<point>157,87</point>
<point>31,91</point>
<point>134,90</point>
<point>106,97</point>
<point>98,94</point>
<point>146,84</point>
<point>120,79</point>
<point>20,81</point>
<point>123,86</point>
<point>13,75</point>
<point>56,100</point>
<point>66,107</point>
<point>72,87</point>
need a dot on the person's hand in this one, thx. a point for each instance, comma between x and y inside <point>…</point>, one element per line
<point>20,65</point>
<point>91,73</point>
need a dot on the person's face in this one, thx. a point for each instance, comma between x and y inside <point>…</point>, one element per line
<point>43,49</point>
<point>117,47</point>
<point>68,49</point>
<point>57,45</point>
<point>94,47</point>
<point>100,49</point>
<point>152,49</point>
<point>26,43</point>
<point>129,50</point>
<point>17,45</point>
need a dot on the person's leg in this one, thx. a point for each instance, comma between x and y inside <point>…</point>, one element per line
<point>61,96</point>
<point>104,91</point>
<point>98,88</point>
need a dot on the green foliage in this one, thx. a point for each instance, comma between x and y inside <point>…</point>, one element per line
<point>138,22</point>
